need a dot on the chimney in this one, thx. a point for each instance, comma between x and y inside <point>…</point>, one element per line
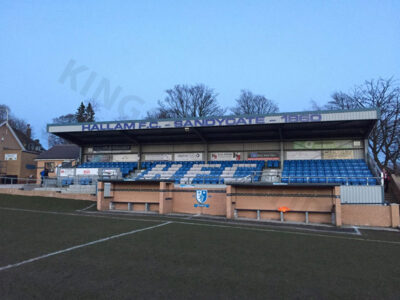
<point>28,131</point>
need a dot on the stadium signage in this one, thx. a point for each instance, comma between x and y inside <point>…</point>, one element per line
<point>206,122</point>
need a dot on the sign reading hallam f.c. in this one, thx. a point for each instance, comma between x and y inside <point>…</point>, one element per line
<point>206,122</point>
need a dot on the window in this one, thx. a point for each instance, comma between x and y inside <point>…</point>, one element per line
<point>49,166</point>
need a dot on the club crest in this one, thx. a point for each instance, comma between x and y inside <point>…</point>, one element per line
<point>201,196</point>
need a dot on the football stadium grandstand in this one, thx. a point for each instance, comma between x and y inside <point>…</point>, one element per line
<point>301,148</point>
<point>273,159</point>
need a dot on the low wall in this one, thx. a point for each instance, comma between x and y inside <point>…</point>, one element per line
<point>370,215</point>
<point>310,204</point>
<point>305,203</point>
<point>51,194</point>
<point>135,196</point>
<point>160,197</point>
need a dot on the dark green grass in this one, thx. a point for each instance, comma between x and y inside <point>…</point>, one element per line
<point>189,261</point>
<point>24,235</point>
<point>42,203</point>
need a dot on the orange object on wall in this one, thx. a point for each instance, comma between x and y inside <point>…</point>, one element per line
<point>283,209</point>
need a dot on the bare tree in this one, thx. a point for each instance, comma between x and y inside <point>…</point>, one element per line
<point>250,104</point>
<point>14,121</point>
<point>343,101</point>
<point>395,157</point>
<point>383,94</point>
<point>183,101</point>
<point>158,113</point>
<point>64,119</point>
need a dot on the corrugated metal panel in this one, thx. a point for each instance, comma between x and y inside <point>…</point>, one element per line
<point>107,189</point>
<point>351,115</point>
<point>361,194</point>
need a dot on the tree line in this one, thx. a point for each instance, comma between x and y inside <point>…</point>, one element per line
<point>14,121</point>
<point>384,94</point>
<point>185,101</point>
<point>84,113</point>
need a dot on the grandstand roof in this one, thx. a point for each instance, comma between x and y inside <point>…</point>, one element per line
<point>281,126</point>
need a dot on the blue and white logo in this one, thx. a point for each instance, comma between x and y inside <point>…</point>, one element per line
<point>201,198</point>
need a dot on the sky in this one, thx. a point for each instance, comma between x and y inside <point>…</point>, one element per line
<point>55,54</point>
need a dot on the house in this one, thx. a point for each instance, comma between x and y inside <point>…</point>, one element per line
<point>65,155</point>
<point>18,152</point>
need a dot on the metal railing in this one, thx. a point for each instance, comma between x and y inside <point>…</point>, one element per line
<point>206,178</point>
<point>374,168</point>
<point>6,180</point>
<point>345,180</point>
<point>257,177</point>
<point>84,179</point>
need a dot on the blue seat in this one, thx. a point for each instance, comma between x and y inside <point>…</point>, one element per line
<point>338,171</point>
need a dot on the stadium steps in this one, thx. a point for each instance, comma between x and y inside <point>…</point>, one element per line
<point>80,189</point>
<point>50,189</point>
<point>394,188</point>
<point>270,175</point>
<point>137,172</point>
<point>389,198</point>
<point>30,187</point>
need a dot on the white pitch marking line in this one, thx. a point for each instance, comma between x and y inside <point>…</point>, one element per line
<point>209,225</point>
<point>91,215</point>
<point>190,217</point>
<point>86,208</point>
<point>356,230</point>
<point>81,246</point>
<point>113,213</point>
<point>291,232</point>
<point>255,224</point>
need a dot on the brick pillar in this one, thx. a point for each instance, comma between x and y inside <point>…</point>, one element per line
<point>162,196</point>
<point>338,206</point>
<point>229,207</point>
<point>100,194</point>
<point>102,202</point>
<point>165,200</point>
<point>394,213</point>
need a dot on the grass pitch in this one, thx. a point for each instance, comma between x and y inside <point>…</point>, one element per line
<point>161,257</point>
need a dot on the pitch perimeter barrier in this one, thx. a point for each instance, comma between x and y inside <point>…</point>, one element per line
<point>263,202</point>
